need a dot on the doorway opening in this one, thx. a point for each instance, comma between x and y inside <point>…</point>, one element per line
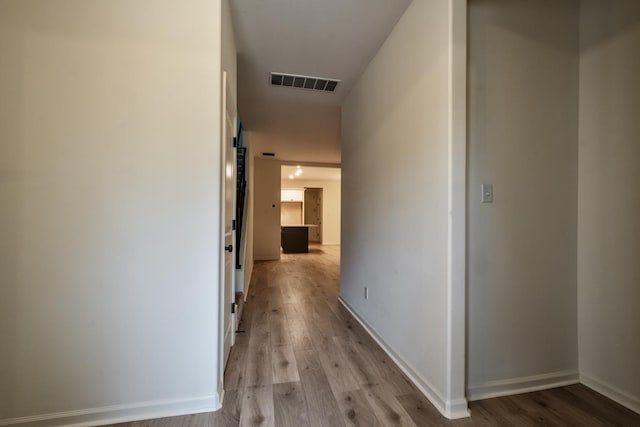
<point>310,207</point>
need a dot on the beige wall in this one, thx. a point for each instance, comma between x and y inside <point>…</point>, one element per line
<point>331,207</point>
<point>266,209</point>
<point>523,139</point>
<point>289,135</point>
<point>229,51</point>
<point>291,213</point>
<point>609,199</point>
<point>247,267</point>
<point>397,138</point>
<point>109,208</point>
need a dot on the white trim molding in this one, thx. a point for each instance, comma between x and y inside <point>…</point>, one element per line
<point>457,209</point>
<point>613,393</point>
<point>450,409</point>
<point>520,385</point>
<point>120,413</point>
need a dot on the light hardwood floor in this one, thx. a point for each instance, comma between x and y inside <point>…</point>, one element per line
<point>302,360</point>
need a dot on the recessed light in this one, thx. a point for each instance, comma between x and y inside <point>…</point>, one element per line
<point>291,177</point>
<point>299,172</point>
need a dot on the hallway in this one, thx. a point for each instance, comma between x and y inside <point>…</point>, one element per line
<point>488,202</point>
<point>302,360</point>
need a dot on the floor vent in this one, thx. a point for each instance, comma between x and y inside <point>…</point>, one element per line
<point>304,82</point>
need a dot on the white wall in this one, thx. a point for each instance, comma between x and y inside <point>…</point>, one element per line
<point>249,251</point>
<point>229,51</point>
<point>266,208</point>
<point>330,206</point>
<point>109,207</point>
<point>396,150</point>
<point>609,199</point>
<point>523,112</point>
<point>306,135</point>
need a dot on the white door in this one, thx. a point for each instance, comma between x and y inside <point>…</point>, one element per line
<point>229,197</point>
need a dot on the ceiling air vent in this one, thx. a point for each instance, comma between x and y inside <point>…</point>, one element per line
<point>304,82</point>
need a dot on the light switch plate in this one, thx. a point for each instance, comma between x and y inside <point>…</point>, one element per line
<point>487,193</point>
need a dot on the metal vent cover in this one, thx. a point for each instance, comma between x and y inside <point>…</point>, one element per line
<point>304,82</point>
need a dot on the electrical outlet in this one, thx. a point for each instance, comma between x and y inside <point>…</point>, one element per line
<point>366,293</point>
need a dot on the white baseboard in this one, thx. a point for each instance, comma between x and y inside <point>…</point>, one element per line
<point>520,385</point>
<point>119,413</point>
<point>456,409</point>
<point>453,409</point>
<point>239,280</point>
<point>267,257</point>
<point>612,392</point>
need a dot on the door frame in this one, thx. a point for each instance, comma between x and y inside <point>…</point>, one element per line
<point>225,97</point>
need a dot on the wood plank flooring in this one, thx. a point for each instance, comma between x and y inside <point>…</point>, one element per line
<point>303,361</point>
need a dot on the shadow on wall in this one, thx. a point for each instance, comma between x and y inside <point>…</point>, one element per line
<point>626,18</point>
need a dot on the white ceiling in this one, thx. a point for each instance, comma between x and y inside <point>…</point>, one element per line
<point>323,38</point>
<point>310,174</point>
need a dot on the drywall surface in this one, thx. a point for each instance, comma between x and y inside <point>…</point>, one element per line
<point>229,52</point>
<point>248,261</point>
<point>395,193</point>
<point>523,113</point>
<point>266,208</point>
<point>109,208</point>
<point>293,141</point>
<point>609,200</point>
<point>330,206</point>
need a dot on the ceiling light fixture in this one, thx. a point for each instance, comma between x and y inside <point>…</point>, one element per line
<point>299,172</point>
<point>291,176</point>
